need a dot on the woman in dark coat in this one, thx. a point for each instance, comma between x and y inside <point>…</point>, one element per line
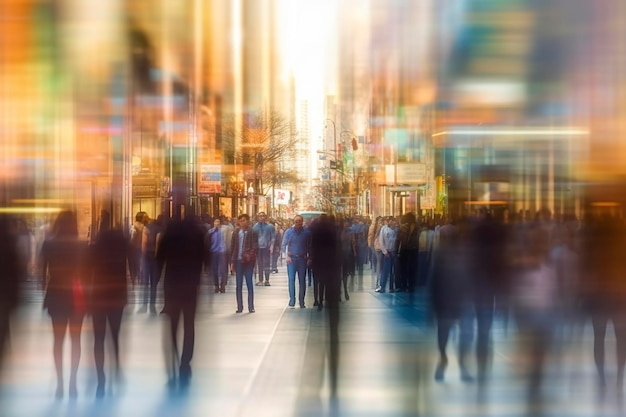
<point>109,293</point>
<point>63,264</point>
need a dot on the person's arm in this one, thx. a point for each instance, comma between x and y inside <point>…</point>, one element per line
<point>286,240</point>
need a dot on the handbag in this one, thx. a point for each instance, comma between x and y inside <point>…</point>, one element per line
<point>78,296</point>
<point>248,256</point>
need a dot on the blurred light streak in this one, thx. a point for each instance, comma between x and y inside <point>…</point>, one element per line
<point>516,132</point>
<point>29,210</point>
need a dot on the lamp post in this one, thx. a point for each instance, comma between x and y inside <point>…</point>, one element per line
<point>335,150</point>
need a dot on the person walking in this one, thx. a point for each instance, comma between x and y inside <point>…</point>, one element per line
<point>12,271</point>
<point>296,246</point>
<point>243,251</point>
<point>108,292</point>
<point>136,239</point>
<point>181,255</point>
<point>267,235</point>
<point>216,246</point>
<point>63,264</point>
<point>152,234</point>
<point>387,238</point>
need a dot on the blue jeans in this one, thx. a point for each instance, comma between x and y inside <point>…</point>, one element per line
<point>150,278</point>
<point>218,269</point>
<point>263,263</point>
<point>387,271</point>
<point>241,271</point>
<point>297,265</point>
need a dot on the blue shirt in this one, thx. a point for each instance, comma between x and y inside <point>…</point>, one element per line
<point>242,236</point>
<point>266,233</point>
<point>217,241</point>
<point>297,243</point>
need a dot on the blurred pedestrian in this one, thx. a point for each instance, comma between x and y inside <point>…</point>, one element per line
<point>181,255</point>
<point>152,234</point>
<point>63,259</point>
<point>11,272</point>
<point>296,246</point>
<point>108,292</point>
<point>267,235</point>
<point>243,250</point>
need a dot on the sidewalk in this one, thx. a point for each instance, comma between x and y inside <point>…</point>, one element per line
<point>272,363</point>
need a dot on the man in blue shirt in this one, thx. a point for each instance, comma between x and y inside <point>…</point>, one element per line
<point>217,255</point>
<point>296,245</point>
<point>267,234</point>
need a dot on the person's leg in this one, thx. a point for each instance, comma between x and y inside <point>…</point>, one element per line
<point>221,271</point>
<point>443,333</point>
<point>266,264</point>
<point>239,286</point>
<point>154,282</point>
<point>59,328</point>
<point>599,322</point>
<point>291,278</point>
<point>115,324</point>
<point>215,271</point>
<point>302,267</point>
<point>384,273</point>
<point>99,332</point>
<point>248,275</point>
<point>484,320</point>
<point>76,324</point>
<point>189,336</point>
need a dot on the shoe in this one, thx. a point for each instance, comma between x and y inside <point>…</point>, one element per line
<point>441,369</point>
<point>217,290</point>
<point>292,306</point>
<point>153,309</point>
<point>302,306</point>
<point>223,290</point>
<point>100,390</point>
<point>239,310</point>
<point>347,297</point>
<point>381,291</point>
<point>378,290</point>
<point>319,307</point>
<point>267,283</point>
<point>251,310</point>
<point>259,283</point>
<point>315,304</point>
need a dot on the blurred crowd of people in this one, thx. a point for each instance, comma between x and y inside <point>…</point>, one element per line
<point>548,274</point>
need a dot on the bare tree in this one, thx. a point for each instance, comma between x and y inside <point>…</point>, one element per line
<point>263,140</point>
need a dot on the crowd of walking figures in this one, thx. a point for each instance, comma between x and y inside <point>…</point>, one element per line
<point>547,273</point>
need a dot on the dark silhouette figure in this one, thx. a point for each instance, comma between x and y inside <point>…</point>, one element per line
<point>181,253</point>
<point>451,298</point>
<point>325,253</point>
<point>408,252</point>
<point>488,268</point>
<point>604,288</point>
<point>11,271</point>
<point>109,293</point>
<point>63,263</point>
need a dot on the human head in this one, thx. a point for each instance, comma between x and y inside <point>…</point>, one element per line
<point>65,225</point>
<point>298,222</point>
<point>244,220</point>
<point>217,222</point>
<point>261,216</point>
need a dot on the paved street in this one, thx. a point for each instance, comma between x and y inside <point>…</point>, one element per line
<point>272,363</point>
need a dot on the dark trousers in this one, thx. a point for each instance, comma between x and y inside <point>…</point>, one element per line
<point>244,271</point>
<point>263,263</point>
<point>100,318</point>
<point>188,310</point>
<point>151,277</point>
<point>407,270</point>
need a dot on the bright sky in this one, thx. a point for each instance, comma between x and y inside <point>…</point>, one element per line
<point>308,28</point>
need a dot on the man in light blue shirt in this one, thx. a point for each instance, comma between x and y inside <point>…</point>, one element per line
<point>217,256</point>
<point>296,245</point>
<point>267,234</point>
<point>387,239</point>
